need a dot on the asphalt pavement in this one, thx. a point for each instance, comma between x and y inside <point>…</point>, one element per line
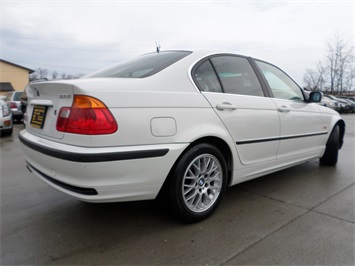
<point>304,215</point>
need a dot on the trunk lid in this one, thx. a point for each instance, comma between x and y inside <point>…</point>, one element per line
<point>43,105</point>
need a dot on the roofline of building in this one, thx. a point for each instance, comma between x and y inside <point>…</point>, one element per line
<point>29,70</point>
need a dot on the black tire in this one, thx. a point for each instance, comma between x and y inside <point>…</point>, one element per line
<point>9,132</point>
<point>330,156</point>
<point>194,193</point>
<point>6,132</point>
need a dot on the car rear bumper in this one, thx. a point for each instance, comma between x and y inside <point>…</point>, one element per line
<point>16,112</point>
<point>101,174</point>
<point>5,123</point>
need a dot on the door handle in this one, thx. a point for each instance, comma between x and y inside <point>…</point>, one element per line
<point>225,106</point>
<point>283,109</point>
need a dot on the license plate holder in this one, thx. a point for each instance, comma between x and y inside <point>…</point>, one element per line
<point>38,116</point>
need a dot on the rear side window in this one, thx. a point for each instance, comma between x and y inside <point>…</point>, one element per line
<point>206,78</point>
<point>142,66</point>
<point>237,75</point>
<point>228,74</point>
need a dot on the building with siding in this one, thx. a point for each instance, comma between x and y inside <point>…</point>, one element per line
<point>13,76</point>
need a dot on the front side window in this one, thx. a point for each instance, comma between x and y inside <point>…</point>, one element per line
<point>237,75</point>
<point>281,85</point>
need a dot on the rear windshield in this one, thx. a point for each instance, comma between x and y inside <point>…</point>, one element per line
<point>140,67</point>
<point>17,96</point>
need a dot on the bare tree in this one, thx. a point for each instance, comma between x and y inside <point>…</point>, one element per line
<point>63,76</point>
<point>42,73</point>
<point>79,75</point>
<point>337,71</point>
<point>339,58</point>
<point>55,74</point>
<point>70,76</point>
<point>315,79</point>
<point>33,76</point>
<point>349,78</point>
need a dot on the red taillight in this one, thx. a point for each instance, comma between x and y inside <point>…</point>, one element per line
<point>88,116</point>
<point>13,105</point>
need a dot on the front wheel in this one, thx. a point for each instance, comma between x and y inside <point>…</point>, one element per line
<point>198,183</point>
<point>330,156</point>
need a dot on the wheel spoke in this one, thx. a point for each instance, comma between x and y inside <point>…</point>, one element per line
<point>188,189</point>
<point>197,204</point>
<point>212,167</point>
<point>191,174</point>
<point>207,198</point>
<point>215,176</point>
<point>214,188</point>
<point>191,197</point>
<point>197,167</point>
<point>206,162</point>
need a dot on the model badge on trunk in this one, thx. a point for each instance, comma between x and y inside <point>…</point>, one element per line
<point>64,96</point>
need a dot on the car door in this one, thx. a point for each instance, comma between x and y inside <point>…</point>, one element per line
<point>232,88</point>
<point>301,122</point>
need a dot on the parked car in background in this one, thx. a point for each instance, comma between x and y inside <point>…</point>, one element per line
<point>345,107</point>
<point>13,100</point>
<point>352,98</point>
<point>23,101</point>
<point>23,98</point>
<point>350,101</point>
<point>331,104</point>
<point>351,105</point>
<point>6,126</point>
<point>179,124</point>
<point>326,102</point>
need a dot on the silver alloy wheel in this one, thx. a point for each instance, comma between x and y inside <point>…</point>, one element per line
<point>202,183</point>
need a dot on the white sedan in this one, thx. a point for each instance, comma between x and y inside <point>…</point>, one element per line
<point>181,124</point>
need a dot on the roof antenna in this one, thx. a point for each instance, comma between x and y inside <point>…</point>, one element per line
<point>158,47</point>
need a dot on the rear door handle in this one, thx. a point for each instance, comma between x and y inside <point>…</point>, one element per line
<point>283,109</point>
<point>225,106</point>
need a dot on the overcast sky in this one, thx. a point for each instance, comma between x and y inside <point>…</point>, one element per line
<point>82,36</point>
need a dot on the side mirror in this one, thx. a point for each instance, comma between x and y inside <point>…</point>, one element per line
<point>315,97</point>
